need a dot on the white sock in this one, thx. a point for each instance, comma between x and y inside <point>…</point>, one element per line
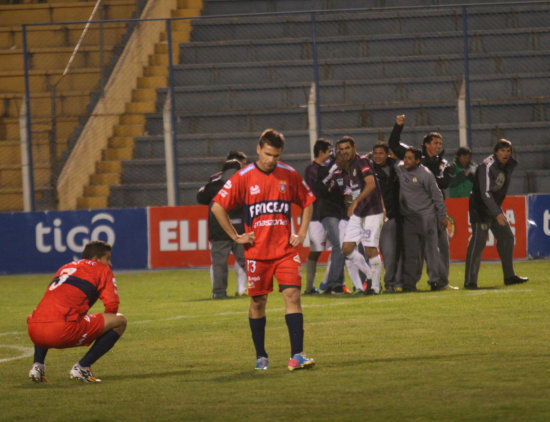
<point>354,274</point>
<point>359,261</point>
<point>241,278</point>
<point>376,266</point>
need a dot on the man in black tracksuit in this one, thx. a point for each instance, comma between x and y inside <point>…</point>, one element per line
<point>221,245</point>
<point>490,186</point>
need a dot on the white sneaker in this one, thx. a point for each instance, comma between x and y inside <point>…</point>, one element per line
<point>83,374</point>
<point>37,372</point>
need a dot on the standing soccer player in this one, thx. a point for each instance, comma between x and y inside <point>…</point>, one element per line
<point>60,320</point>
<point>267,188</point>
<point>490,187</point>
<point>355,178</point>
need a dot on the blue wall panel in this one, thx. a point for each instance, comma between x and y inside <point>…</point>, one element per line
<point>43,241</point>
<point>538,237</point>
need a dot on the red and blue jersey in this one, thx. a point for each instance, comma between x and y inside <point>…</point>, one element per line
<point>74,289</point>
<point>266,199</point>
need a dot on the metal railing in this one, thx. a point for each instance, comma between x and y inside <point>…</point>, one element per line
<point>242,73</point>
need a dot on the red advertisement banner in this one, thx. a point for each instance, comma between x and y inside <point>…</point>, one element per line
<point>178,236</point>
<point>460,231</point>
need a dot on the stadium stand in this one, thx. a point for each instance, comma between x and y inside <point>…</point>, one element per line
<point>240,75</point>
<point>51,48</point>
<point>237,75</point>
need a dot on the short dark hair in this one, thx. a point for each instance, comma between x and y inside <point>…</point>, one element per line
<point>463,151</point>
<point>429,136</point>
<point>501,144</point>
<point>232,164</point>
<point>321,146</point>
<point>272,138</point>
<point>236,155</point>
<point>416,151</point>
<point>96,249</point>
<point>345,140</point>
<point>382,144</point>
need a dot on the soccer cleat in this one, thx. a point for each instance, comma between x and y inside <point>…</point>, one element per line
<point>346,290</point>
<point>262,364</point>
<point>83,374</point>
<point>470,286</point>
<point>437,288</point>
<point>367,285</point>
<point>370,292</point>
<point>515,279</point>
<point>300,361</point>
<point>37,373</point>
<point>314,291</point>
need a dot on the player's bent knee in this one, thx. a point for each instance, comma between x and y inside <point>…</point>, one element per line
<point>348,248</point>
<point>115,322</point>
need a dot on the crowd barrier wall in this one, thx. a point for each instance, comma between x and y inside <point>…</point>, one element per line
<point>177,237</point>
<point>41,242</point>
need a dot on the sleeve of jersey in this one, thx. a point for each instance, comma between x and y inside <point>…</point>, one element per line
<point>109,292</point>
<point>304,195</point>
<point>366,168</point>
<point>229,196</point>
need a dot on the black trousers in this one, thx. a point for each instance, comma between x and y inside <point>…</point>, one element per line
<point>505,247</point>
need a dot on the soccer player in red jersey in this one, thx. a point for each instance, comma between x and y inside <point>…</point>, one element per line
<point>266,189</point>
<point>61,321</point>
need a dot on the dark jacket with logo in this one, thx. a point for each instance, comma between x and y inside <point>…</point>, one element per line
<point>490,188</point>
<point>205,196</point>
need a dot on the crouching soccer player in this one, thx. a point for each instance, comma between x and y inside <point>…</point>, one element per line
<point>60,320</point>
<point>267,188</point>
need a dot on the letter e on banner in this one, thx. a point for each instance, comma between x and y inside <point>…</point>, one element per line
<point>178,237</point>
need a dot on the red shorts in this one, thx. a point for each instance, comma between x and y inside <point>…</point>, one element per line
<point>63,334</point>
<point>286,270</point>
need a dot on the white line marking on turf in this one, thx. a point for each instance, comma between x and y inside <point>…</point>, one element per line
<point>25,352</point>
<point>387,298</point>
<point>13,333</point>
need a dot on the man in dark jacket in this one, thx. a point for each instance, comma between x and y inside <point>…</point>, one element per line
<point>221,245</point>
<point>490,187</point>
<point>391,240</point>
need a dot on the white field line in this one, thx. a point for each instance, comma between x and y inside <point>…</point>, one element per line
<point>382,299</point>
<point>28,351</point>
<point>24,352</point>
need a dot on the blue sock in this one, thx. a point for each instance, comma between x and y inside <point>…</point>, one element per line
<point>257,326</point>
<point>101,346</point>
<point>295,324</point>
<point>40,354</point>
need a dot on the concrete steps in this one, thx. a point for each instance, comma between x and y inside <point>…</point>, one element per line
<point>49,49</point>
<point>132,123</point>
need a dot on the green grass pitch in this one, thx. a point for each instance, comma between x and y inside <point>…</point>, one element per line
<point>444,356</point>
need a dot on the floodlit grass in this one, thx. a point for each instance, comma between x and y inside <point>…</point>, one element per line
<point>447,356</point>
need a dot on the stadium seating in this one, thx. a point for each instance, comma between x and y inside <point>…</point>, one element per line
<point>49,49</point>
<point>240,75</point>
<point>237,75</point>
